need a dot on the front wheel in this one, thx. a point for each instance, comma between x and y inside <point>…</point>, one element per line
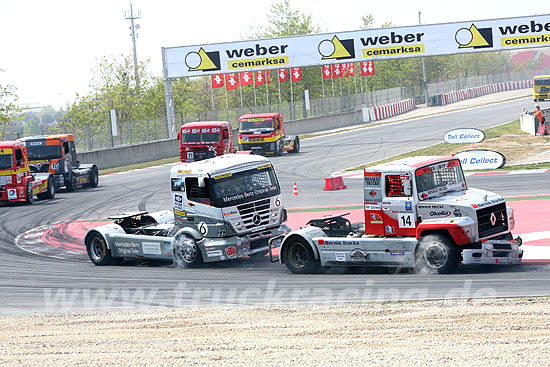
<point>50,192</point>
<point>279,149</point>
<point>29,198</point>
<point>299,257</point>
<point>187,253</point>
<point>436,254</point>
<point>98,252</point>
<point>70,182</point>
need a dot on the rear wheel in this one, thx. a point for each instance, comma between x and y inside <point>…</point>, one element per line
<point>94,177</point>
<point>98,252</point>
<point>296,147</point>
<point>50,193</point>
<point>299,257</point>
<point>436,254</point>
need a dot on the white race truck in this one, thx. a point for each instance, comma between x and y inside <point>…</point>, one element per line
<point>419,213</point>
<point>223,208</point>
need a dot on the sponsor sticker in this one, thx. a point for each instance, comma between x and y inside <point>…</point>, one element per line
<point>12,194</point>
<point>408,205</point>
<point>340,257</point>
<point>151,248</point>
<point>231,251</point>
<point>178,202</point>
<point>215,253</point>
<point>369,206</point>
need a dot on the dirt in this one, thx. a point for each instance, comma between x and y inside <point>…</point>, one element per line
<point>495,332</point>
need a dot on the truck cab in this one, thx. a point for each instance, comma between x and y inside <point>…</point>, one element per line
<point>56,154</point>
<point>205,139</point>
<point>264,133</point>
<point>17,182</point>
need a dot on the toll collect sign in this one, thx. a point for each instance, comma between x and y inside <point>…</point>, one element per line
<point>361,45</point>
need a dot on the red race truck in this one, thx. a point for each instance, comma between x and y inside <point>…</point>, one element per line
<point>17,182</point>
<point>264,133</point>
<point>205,139</point>
<point>419,213</point>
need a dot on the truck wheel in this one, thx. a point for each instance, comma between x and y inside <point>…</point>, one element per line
<point>70,183</point>
<point>299,257</point>
<point>94,177</point>
<point>279,149</point>
<point>187,253</point>
<point>29,198</point>
<point>241,148</point>
<point>296,147</point>
<point>98,251</point>
<point>50,193</point>
<point>436,254</point>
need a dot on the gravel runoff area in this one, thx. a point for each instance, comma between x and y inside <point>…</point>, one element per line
<point>467,332</point>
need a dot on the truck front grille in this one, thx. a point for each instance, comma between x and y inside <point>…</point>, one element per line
<point>254,214</point>
<point>492,220</point>
<point>41,167</point>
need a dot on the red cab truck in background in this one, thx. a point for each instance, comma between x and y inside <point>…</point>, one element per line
<point>264,133</point>
<point>205,139</point>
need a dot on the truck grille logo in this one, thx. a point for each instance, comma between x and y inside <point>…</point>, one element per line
<point>493,219</point>
<point>256,219</point>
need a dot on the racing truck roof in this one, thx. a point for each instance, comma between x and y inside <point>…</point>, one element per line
<point>205,124</point>
<point>47,137</point>
<point>408,164</point>
<point>260,115</point>
<point>9,144</point>
<point>221,164</point>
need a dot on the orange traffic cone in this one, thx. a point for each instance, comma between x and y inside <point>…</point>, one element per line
<point>295,189</point>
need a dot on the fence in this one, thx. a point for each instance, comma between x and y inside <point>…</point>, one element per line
<point>153,129</point>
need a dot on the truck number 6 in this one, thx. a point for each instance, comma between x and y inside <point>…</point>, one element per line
<point>406,220</point>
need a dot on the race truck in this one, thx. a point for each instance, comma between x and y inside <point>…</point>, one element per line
<point>264,133</point>
<point>205,139</point>
<point>419,213</point>
<point>56,154</point>
<point>223,208</point>
<point>17,181</point>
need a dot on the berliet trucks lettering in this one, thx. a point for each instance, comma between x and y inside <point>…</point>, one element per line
<point>419,214</point>
<point>223,208</point>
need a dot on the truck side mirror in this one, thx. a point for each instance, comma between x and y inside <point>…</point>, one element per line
<point>407,187</point>
<point>179,135</point>
<point>225,135</point>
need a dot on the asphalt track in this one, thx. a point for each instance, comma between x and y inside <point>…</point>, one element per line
<point>65,280</point>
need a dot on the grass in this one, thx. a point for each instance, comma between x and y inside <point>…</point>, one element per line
<point>507,139</point>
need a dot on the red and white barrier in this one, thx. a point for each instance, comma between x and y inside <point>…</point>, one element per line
<point>467,93</point>
<point>391,109</point>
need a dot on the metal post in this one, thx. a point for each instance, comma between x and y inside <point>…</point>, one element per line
<point>133,27</point>
<point>426,92</point>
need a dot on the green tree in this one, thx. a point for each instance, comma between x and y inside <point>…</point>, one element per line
<point>284,21</point>
<point>8,108</point>
<point>32,125</point>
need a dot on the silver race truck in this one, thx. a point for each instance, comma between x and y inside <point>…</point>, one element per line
<point>419,213</point>
<point>223,208</point>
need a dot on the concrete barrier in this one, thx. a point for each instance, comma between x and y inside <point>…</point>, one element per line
<point>529,123</point>
<point>467,93</point>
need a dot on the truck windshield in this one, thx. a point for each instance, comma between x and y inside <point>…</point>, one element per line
<point>6,161</point>
<point>256,123</point>
<point>542,82</point>
<point>436,179</point>
<point>237,188</point>
<point>201,137</point>
<point>38,152</point>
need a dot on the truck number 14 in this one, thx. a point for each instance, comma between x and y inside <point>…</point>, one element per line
<point>406,220</point>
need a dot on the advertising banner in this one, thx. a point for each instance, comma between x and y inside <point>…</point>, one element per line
<point>458,136</point>
<point>480,159</point>
<point>361,45</point>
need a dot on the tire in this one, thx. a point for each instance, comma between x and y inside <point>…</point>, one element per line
<point>70,183</point>
<point>29,197</point>
<point>187,253</point>
<point>299,257</point>
<point>97,250</point>
<point>436,254</point>
<point>241,148</point>
<point>296,147</point>
<point>50,193</point>
<point>279,149</point>
<point>94,177</point>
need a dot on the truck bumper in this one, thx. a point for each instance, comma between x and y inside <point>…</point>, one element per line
<point>219,249</point>
<point>500,252</point>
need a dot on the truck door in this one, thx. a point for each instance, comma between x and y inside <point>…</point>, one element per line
<point>398,211</point>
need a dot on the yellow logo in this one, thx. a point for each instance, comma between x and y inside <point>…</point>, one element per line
<point>336,49</point>
<point>202,60</point>
<point>474,37</point>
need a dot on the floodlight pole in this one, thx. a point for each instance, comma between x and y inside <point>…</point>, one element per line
<point>130,16</point>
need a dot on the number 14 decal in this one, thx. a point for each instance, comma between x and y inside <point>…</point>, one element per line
<point>406,220</point>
